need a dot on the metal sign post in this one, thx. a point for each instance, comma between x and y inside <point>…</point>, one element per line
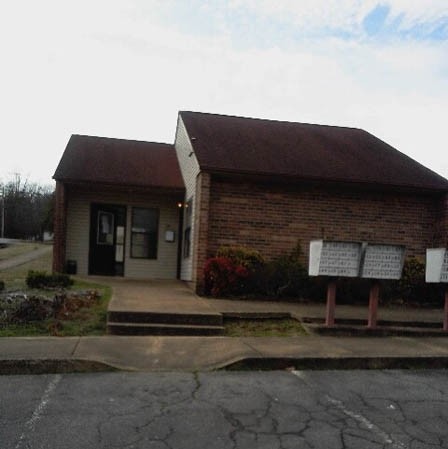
<point>445,321</point>
<point>373,304</point>
<point>437,272</point>
<point>331,303</point>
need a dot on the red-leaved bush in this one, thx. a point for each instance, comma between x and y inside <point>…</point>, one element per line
<point>222,276</point>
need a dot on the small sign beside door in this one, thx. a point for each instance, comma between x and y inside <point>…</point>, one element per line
<point>105,235</point>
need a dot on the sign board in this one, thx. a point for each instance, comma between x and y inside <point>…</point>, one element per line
<point>382,261</point>
<point>329,258</point>
<point>436,265</point>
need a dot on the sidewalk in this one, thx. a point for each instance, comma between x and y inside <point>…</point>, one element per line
<point>54,354</point>
<point>164,353</point>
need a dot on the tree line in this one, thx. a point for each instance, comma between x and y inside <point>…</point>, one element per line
<point>26,209</point>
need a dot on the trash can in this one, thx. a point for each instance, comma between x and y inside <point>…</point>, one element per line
<point>71,267</point>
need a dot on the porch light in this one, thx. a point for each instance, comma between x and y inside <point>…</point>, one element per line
<point>179,204</point>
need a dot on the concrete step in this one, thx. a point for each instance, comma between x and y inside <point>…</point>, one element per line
<point>389,323</point>
<point>200,319</point>
<point>117,328</point>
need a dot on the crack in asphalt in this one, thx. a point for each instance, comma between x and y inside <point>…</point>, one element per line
<point>257,410</point>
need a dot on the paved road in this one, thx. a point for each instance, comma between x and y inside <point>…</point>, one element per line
<point>320,409</point>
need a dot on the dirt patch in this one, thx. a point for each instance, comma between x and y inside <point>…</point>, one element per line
<point>263,327</point>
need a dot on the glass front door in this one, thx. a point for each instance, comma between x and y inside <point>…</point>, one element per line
<point>107,239</point>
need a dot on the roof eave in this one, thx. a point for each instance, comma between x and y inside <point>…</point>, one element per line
<point>174,189</point>
<point>287,178</point>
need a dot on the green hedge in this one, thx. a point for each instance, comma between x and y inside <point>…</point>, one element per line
<point>41,279</point>
<point>243,272</point>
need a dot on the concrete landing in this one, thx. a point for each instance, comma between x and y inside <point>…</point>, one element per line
<point>159,308</point>
<point>154,296</point>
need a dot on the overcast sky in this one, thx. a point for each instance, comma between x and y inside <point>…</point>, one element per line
<point>124,68</point>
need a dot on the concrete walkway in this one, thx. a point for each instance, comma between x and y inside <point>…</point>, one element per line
<point>154,296</point>
<point>176,297</point>
<point>159,353</point>
<point>25,258</point>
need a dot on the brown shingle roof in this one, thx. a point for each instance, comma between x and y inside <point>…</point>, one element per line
<point>302,151</point>
<point>118,161</point>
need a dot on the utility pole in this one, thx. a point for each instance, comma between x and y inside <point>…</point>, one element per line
<point>2,206</point>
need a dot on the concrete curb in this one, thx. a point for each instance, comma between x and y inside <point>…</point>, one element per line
<point>52,366</point>
<point>341,363</point>
<point>64,366</point>
<point>27,355</point>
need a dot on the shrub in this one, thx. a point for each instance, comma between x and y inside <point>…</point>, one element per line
<point>353,290</point>
<point>412,283</point>
<point>40,279</point>
<point>34,308</point>
<point>2,285</point>
<point>243,271</point>
<point>285,276</point>
<point>63,306</point>
<point>412,288</point>
<point>240,255</point>
<point>222,276</point>
<point>251,260</point>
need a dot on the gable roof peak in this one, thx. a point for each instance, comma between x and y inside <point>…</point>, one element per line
<point>91,159</point>
<point>302,151</point>
<point>263,120</point>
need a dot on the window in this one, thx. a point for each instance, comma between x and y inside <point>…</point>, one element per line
<point>144,233</point>
<point>187,231</point>
<point>105,228</point>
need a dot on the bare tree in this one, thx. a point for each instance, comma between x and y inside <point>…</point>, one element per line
<point>28,208</point>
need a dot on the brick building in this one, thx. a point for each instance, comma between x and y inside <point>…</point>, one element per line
<point>238,181</point>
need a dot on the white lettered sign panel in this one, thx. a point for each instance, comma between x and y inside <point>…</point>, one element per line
<point>436,265</point>
<point>330,258</point>
<point>383,261</point>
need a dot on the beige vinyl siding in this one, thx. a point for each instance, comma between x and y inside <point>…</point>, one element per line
<point>78,228</point>
<point>189,167</point>
<point>78,231</point>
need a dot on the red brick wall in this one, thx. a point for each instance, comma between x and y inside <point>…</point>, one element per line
<point>272,218</point>
<point>60,218</point>
<point>442,225</point>
<point>444,236</point>
<point>201,220</point>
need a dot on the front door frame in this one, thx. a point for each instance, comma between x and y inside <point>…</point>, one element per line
<point>107,239</point>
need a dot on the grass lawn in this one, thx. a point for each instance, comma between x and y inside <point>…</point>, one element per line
<point>85,321</point>
<point>15,278</point>
<point>272,327</point>
<point>16,249</point>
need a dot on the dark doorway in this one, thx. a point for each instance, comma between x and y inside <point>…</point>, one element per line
<point>107,239</point>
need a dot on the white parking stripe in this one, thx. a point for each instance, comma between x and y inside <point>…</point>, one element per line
<point>45,399</point>
<point>356,416</point>
<point>366,422</point>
